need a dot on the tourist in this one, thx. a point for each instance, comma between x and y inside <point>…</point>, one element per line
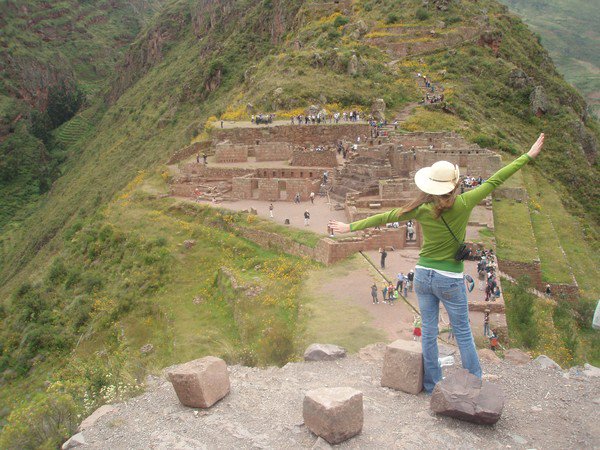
<point>383,255</point>
<point>271,210</point>
<point>374,293</point>
<point>417,328</point>
<point>204,157</point>
<point>493,340</point>
<point>325,177</point>
<point>384,292</point>
<point>410,230</point>
<point>486,323</point>
<point>443,216</point>
<point>312,197</point>
<point>400,280</point>
<point>396,295</point>
<point>410,277</point>
<point>297,198</point>
<point>391,291</point>
<point>198,158</point>
<point>306,218</point>
<point>405,291</point>
<point>548,291</point>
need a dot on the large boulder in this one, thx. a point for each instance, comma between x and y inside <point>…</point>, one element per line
<point>378,109</point>
<point>518,79</point>
<point>485,354</point>
<point>545,362</point>
<point>538,102</point>
<point>324,352</point>
<point>516,356</point>
<point>464,396</point>
<point>77,440</point>
<point>200,383</point>
<point>91,420</point>
<point>335,414</point>
<point>403,366</point>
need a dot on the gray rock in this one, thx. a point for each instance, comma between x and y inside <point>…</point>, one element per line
<point>591,371</point>
<point>324,352</point>
<point>353,65</point>
<point>76,440</point>
<point>91,420</point>
<point>335,414</point>
<point>146,349</point>
<point>378,109</point>
<point>189,243</point>
<point>403,366</point>
<point>464,396</point>
<point>544,362</point>
<point>538,102</point>
<point>516,356</point>
<point>518,79</point>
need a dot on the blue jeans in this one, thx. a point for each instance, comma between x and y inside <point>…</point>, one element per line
<point>431,288</point>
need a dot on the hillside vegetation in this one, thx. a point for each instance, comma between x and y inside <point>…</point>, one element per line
<point>55,58</point>
<point>97,267</point>
<point>569,30</point>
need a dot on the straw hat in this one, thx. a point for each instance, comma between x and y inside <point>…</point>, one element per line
<point>441,178</point>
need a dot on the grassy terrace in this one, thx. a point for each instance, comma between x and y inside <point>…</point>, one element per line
<point>515,240</point>
<point>576,240</point>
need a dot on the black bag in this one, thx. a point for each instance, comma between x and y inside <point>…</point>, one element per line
<point>463,251</point>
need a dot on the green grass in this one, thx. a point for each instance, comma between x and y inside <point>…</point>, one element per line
<point>577,240</point>
<point>515,240</point>
<point>335,321</point>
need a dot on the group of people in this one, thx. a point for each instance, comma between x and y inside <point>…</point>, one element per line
<point>471,182</point>
<point>486,270</point>
<point>321,117</point>
<point>391,293</point>
<point>437,98</point>
<point>261,118</point>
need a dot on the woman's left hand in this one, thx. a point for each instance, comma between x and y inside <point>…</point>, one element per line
<point>339,227</point>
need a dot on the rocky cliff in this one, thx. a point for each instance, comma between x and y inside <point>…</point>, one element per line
<point>545,408</point>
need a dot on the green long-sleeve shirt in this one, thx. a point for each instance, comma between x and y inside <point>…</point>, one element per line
<point>439,247</point>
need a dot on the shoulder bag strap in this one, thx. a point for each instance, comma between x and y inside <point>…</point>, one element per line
<point>443,220</point>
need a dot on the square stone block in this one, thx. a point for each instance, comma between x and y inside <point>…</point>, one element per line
<point>403,366</point>
<point>200,383</point>
<point>335,414</point>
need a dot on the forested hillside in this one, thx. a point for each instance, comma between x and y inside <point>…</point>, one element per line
<point>95,268</point>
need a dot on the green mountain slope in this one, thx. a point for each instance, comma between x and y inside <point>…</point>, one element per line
<point>54,58</point>
<point>569,30</point>
<point>97,268</point>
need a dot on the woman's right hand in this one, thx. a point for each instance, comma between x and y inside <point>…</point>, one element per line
<point>537,147</point>
<point>339,227</point>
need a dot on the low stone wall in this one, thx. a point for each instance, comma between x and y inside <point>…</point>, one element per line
<point>215,173</point>
<point>227,153</point>
<point>273,151</point>
<point>397,189</point>
<point>312,158</point>
<point>295,135</point>
<point>569,292</point>
<point>273,189</point>
<point>494,307</point>
<point>186,152</point>
<point>327,251</point>
<point>295,172</point>
<point>517,269</point>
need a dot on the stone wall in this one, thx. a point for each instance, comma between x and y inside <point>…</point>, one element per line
<point>569,292</point>
<point>229,153</point>
<point>214,173</point>
<point>186,152</point>
<point>519,194</point>
<point>273,151</point>
<point>273,189</point>
<point>397,189</point>
<point>306,135</point>
<point>517,269</point>
<point>295,172</point>
<point>312,158</point>
<point>327,251</point>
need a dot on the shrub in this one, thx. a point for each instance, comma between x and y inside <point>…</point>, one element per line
<point>391,18</point>
<point>340,21</point>
<point>486,141</point>
<point>422,14</point>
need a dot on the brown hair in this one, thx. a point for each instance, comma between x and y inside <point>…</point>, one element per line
<point>441,203</point>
